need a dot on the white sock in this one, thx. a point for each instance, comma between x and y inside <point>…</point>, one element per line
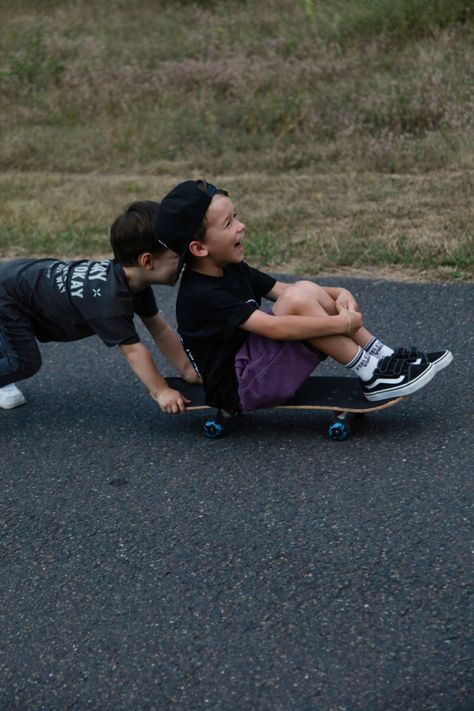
<point>377,348</point>
<point>363,365</point>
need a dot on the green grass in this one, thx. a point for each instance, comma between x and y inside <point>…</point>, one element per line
<point>288,92</point>
<point>399,20</point>
<point>69,242</point>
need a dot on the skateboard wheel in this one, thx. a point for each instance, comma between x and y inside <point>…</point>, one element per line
<point>213,429</point>
<point>338,430</point>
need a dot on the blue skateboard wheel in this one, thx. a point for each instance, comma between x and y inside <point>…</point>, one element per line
<point>213,429</point>
<point>338,430</point>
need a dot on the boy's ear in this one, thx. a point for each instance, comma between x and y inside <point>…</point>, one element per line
<point>198,249</point>
<point>145,260</point>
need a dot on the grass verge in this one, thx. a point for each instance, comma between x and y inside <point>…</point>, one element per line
<point>301,223</point>
<point>345,128</point>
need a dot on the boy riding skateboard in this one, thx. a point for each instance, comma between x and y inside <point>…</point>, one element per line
<point>57,300</point>
<point>250,359</point>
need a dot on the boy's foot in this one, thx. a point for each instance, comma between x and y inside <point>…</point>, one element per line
<point>11,397</point>
<point>440,359</point>
<point>395,377</point>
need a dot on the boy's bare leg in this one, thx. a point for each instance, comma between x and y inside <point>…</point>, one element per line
<point>299,301</point>
<point>361,337</point>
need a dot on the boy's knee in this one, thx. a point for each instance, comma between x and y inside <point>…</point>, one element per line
<point>314,289</point>
<point>305,284</point>
<point>296,298</point>
<point>319,294</point>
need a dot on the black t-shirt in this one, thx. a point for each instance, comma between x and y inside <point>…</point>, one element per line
<point>209,312</point>
<point>70,300</point>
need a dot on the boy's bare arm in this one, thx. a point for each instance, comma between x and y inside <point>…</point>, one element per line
<point>141,362</point>
<point>302,328</point>
<point>169,344</point>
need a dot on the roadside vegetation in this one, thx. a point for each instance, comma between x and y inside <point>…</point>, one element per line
<point>343,129</point>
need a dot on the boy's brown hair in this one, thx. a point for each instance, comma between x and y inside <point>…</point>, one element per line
<point>133,232</point>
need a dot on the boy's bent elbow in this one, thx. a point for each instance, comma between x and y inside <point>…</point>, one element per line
<point>132,350</point>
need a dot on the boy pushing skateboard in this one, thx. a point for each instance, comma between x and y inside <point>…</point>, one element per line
<point>57,300</point>
<point>249,359</point>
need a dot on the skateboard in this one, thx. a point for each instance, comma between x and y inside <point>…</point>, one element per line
<point>341,396</point>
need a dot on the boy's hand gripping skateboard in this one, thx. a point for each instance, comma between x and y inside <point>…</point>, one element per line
<point>342,396</point>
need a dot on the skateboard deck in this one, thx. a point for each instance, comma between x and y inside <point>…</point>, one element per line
<point>340,395</point>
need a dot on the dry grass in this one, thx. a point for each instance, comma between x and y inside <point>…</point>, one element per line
<point>303,223</point>
<point>353,121</point>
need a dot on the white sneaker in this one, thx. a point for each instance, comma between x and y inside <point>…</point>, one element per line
<point>11,397</point>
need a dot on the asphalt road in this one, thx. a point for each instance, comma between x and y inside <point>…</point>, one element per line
<point>144,567</point>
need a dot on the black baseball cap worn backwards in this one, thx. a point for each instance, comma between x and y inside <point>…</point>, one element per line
<point>180,215</point>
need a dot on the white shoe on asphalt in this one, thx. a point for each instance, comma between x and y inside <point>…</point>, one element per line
<point>11,397</point>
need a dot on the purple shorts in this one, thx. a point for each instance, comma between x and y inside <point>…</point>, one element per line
<point>269,372</point>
